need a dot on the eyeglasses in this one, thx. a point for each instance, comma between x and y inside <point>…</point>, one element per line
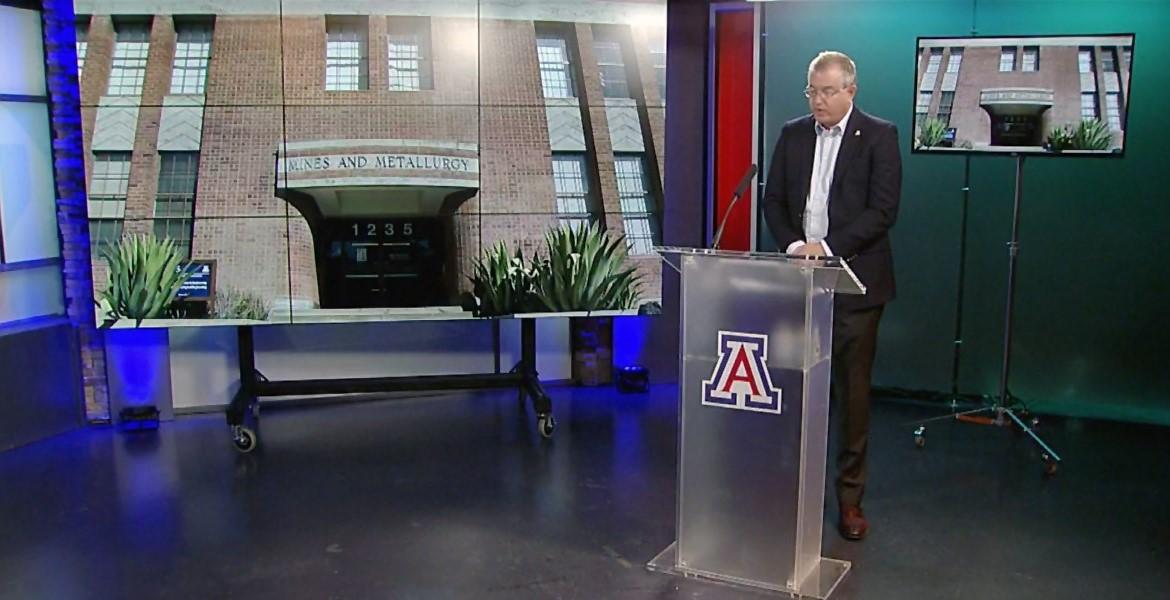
<point>811,92</point>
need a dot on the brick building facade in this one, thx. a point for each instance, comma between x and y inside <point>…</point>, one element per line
<point>364,156</point>
<point>1014,91</point>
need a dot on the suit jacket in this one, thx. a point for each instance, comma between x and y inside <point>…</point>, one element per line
<point>863,198</point>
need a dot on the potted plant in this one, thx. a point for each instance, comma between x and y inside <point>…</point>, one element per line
<point>1089,134</point>
<point>144,278</point>
<point>585,271</point>
<point>931,133</point>
<point>503,284</point>
<point>1059,139</point>
<point>1092,134</point>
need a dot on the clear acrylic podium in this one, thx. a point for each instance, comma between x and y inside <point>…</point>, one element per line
<point>755,345</point>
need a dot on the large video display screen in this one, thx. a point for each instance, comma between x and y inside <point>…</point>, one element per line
<point>353,160</point>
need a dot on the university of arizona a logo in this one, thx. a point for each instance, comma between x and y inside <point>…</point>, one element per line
<point>740,379</point>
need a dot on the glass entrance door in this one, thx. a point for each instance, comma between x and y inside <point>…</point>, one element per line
<point>383,263</point>
<point>1016,130</point>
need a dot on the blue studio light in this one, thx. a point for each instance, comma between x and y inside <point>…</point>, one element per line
<point>630,335</point>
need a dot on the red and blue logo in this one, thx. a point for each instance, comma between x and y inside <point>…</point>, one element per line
<point>740,379</point>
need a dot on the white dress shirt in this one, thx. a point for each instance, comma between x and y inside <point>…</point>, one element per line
<point>816,206</point>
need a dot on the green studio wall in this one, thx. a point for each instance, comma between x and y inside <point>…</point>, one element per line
<point>1091,326</point>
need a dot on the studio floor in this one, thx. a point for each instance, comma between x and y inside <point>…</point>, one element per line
<point>456,496</point>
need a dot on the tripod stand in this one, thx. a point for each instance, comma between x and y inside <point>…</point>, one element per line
<point>1002,410</point>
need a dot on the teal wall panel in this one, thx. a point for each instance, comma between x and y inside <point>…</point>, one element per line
<point>1090,330</point>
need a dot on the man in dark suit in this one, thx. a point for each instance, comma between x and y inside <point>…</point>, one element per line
<point>833,190</point>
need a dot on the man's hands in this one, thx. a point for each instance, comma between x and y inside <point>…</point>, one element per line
<point>812,250</point>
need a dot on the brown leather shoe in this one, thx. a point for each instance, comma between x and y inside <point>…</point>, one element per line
<point>852,524</point>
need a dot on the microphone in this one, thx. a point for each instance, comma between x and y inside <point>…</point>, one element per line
<point>739,190</point>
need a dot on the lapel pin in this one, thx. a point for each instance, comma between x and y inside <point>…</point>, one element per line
<point>857,133</point>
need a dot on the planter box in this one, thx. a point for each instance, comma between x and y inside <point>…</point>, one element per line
<point>138,368</point>
<point>592,343</point>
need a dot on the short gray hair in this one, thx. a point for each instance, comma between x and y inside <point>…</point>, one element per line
<point>832,58</point>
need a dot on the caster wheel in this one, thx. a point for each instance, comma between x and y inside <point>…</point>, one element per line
<point>920,437</point>
<point>244,439</point>
<point>546,424</point>
<point>1050,466</point>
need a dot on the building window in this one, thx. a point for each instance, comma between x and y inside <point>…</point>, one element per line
<point>922,109</point>
<point>1089,106</point>
<point>1127,54</point>
<point>192,53</point>
<point>556,74</point>
<point>82,27</point>
<point>1109,60</point>
<point>611,64</point>
<point>955,61</point>
<point>950,79</point>
<point>1085,60</point>
<point>107,198</point>
<point>638,205</point>
<point>1007,59</point>
<point>1031,59</point>
<point>946,102</point>
<point>1088,76</point>
<point>174,207</point>
<point>572,188</point>
<point>103,234</point>
<point>408,47</point>
<point>932,66</point>
<point>1113,110</point>
<point>131,45</point>
<point>346,54</point>
<point>658,60</point>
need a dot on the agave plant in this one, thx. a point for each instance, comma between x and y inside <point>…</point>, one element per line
<point>931,133</point>
<point>503,283</point>
<point>145,276</point>
<point>585,271</point>
<point>1091,134</point>
<point>1060,139</point>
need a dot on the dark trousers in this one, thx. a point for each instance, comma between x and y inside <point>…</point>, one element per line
<point>854,343</point>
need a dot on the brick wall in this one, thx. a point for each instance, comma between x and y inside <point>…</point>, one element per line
<point>72,217</point>
<point>980,70</point>
<point>144,162</point>
<point>517,197</point>
<point>95,77</point>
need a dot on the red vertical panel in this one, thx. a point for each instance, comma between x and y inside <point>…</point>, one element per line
<point>734,86</point>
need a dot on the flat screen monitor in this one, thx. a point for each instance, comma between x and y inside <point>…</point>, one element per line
<point>1060,95</point>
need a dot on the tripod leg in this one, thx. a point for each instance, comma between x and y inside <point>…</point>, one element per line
<point>1051,458</point>
<point>950,416</point>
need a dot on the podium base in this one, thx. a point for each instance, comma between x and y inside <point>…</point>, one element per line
<point>820,583</point>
